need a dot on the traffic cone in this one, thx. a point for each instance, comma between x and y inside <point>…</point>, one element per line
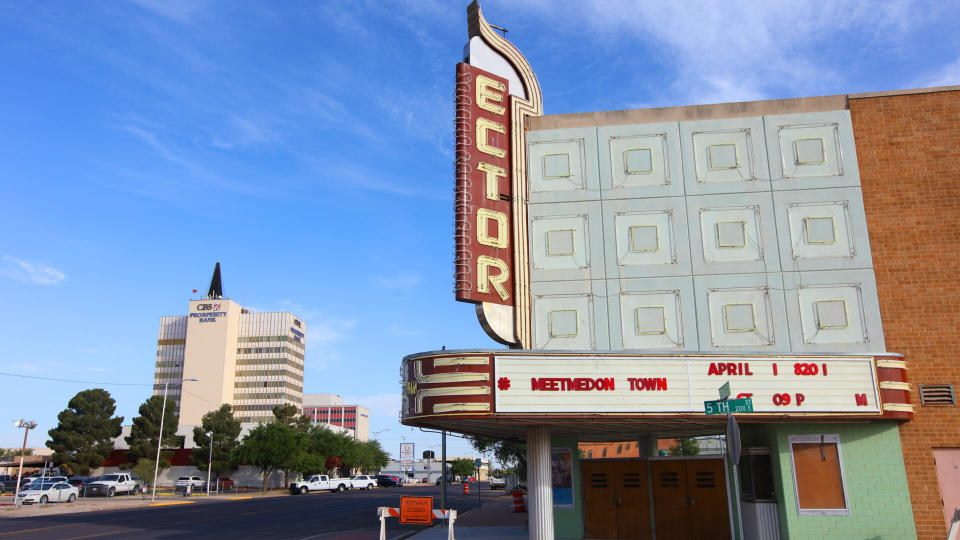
<point>466,488</point>
<point>518,505</point>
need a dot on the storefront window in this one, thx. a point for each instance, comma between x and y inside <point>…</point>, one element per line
<point>818,475</point>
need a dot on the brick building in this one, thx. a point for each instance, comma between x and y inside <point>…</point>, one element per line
<point>907,145</point>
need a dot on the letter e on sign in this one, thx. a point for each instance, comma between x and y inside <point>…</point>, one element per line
<point>416,510</point>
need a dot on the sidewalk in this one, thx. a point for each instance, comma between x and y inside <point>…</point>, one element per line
<point>120,502</point>
<point>496,520</point>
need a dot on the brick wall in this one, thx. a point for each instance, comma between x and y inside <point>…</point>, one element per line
<point>908,147</point>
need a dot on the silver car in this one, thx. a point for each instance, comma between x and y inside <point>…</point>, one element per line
<point>44,492</point>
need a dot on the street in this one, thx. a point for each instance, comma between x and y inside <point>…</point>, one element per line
<point>348,515</point>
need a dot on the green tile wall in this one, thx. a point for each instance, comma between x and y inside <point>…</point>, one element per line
<point>875,480</point>
<point>568,522</point>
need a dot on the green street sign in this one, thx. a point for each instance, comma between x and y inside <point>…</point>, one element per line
<point>728,406</point>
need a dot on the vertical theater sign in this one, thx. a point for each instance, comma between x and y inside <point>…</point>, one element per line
<point>633,262</point>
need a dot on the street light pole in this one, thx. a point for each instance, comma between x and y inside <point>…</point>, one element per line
<point>163,410</point>
<point>27,426</point>
<point>209,461</point>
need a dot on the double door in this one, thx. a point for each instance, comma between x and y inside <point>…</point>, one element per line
<point>690,499</point>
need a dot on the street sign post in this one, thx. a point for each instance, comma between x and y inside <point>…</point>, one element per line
<point>733,439</point>
<point>724,391</point>
<point>725,406</point>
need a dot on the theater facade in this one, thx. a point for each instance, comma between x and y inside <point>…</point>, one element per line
<point>634,262</point>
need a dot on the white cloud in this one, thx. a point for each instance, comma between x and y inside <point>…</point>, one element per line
<point>948,75</point>
<point>742,49</point>
<point>30,272</point>
<point>244,132</point>
<point>322,329</point>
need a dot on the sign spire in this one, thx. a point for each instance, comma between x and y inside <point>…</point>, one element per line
<point>216,286</point>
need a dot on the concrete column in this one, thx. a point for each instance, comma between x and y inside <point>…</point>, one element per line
<point>539,483</point>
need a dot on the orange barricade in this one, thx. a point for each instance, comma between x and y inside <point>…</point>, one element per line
<point>518,505</point>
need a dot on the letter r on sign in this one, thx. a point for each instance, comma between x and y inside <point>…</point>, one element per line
<point>485,279</point>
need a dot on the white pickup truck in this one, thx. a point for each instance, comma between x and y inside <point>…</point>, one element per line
<point>320,482</point>
<point>113,484</point>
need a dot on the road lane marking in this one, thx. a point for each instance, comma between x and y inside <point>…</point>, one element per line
<point>239,498</point>
<point>172,502</point>
<point>36,529</point>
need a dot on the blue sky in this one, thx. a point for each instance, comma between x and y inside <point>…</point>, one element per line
<point>307,147</point>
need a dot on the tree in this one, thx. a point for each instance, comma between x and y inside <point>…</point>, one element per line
<point>377,458</point>
<point>286,414</point>
<point>269,447</point>
<point>684,446</point>
<point>7,452</point>
<point>462,467</point>
<point>511,454</point>
<point>144,470</point>
<point>83,439</point>
<point>226,431</point>
<point>142,440</point>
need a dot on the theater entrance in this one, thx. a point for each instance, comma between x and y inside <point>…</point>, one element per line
<point>689,499</point>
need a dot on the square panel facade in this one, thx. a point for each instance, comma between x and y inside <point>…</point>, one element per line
<point>740,234</point>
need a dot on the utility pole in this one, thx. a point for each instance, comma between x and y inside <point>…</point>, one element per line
<point>27,426</point>
<point>443,470</point>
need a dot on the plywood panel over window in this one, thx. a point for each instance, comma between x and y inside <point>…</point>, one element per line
<point>818,475</point>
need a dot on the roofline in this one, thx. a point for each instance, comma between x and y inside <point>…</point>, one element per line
<point>740,109</point>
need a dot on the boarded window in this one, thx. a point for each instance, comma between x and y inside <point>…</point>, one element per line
<point>818,474</point>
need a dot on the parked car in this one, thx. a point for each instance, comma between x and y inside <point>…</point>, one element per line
<point>46,479</point>
<point>83,481</point>
<point>11,484</point>
<point>497,482</point>
<point>113,484</point>
<point>363,481</point>
<point>44,492</point>
<point>220,483</point>
<point>450,480</point>
<point>195,482</point>
<point>385,480</point>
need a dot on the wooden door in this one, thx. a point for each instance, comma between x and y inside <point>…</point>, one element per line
<point>707,499</point>
<point>599,492</point>
<point>633,500</point>
<point>670,512</point>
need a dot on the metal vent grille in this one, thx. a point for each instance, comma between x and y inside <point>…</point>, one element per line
<point>937,394</point>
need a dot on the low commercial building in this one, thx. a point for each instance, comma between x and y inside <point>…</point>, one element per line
<point>427,471</point>
<point>329,409</point>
